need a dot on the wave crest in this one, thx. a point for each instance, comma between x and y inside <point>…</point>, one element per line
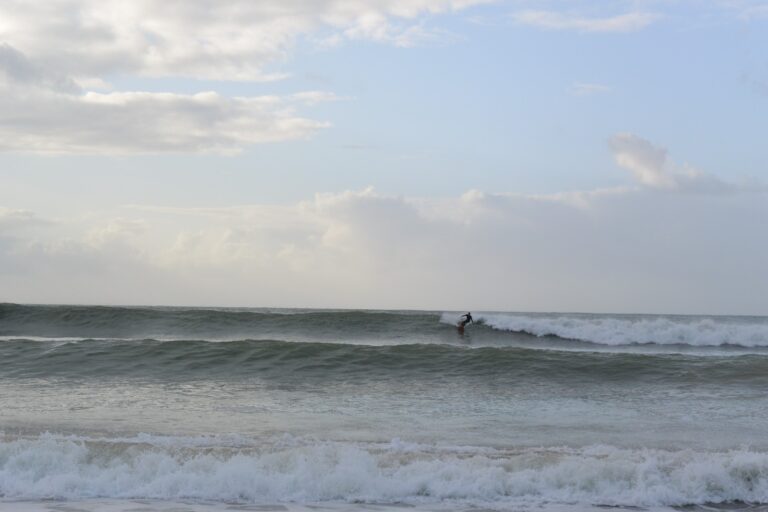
<point>612,330</point>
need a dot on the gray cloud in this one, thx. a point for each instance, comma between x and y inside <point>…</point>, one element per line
<point>17,70</point>
<point>48,113</point>
<point>14,219</point>
<point>125,123</point>
<point>54,53</point>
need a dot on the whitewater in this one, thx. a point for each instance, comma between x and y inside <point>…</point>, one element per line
<point>210,409</point>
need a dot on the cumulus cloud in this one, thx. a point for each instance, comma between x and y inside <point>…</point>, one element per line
<point>555,20</point>
<point>54,56</point>
<point>45,112</point>
<point>650,166</point>
<point>13,218</point>
<point>142,122</point>
<point>17,70</point>
<point>646,162</point>
<point>231,39</point>
<point>606,250</point>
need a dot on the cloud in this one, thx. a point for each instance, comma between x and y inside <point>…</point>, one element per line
<point>48,84</point>
<point>17,70</point>
<point>640,249</point>
<point>13,219</point>
<point>553,20</point>
<point>650,167</point>
<point>315,97</point>
<point>142,122</point>
<point>646,162</point>
<point>231,39</point>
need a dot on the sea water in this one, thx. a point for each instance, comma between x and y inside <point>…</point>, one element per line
<point>159,409</point>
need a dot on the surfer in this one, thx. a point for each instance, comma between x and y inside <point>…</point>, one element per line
<point>465,319</point>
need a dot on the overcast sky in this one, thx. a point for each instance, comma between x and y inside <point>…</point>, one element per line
<point>523,155</point>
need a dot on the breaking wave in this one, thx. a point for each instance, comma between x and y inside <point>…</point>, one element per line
<point>372,327</point>
<point>626,330</point>
<point>300,470</point>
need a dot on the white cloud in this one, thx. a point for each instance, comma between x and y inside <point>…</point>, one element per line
<point>650,166</point>
<point>554,20</point>
<point>14,218</point>
<point>646,162</point>
<point>55,54</point>
<point>605,250</point>
<point>230,39</point>
<point>315,97</point>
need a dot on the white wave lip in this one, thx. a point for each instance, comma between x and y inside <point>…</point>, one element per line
<point>308,472</point>
<point>607,330</point>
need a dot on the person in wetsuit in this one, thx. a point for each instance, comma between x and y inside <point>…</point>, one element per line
<point>465,319</point>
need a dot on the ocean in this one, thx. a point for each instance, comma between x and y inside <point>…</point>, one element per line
<point>211,409</point>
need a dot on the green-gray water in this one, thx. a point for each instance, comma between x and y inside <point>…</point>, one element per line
<point>257,406</point>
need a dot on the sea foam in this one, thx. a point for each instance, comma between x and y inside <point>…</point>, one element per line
<point>613,330</point>
<point>304,471</point>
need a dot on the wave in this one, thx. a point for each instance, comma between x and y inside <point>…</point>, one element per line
<point>628,330</point>
<point>215,323</point>
<point>313,363</point>
<point>287,469</point>
<point>377,327</point>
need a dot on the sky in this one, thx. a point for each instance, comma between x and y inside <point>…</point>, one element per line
<point>515,155</point>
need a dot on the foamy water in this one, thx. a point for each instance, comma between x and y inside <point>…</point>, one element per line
<point>189,409</point>
<point>627,330</point>
<point>310,471</point>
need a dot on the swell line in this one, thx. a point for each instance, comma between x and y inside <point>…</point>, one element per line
<point>294,361</point>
